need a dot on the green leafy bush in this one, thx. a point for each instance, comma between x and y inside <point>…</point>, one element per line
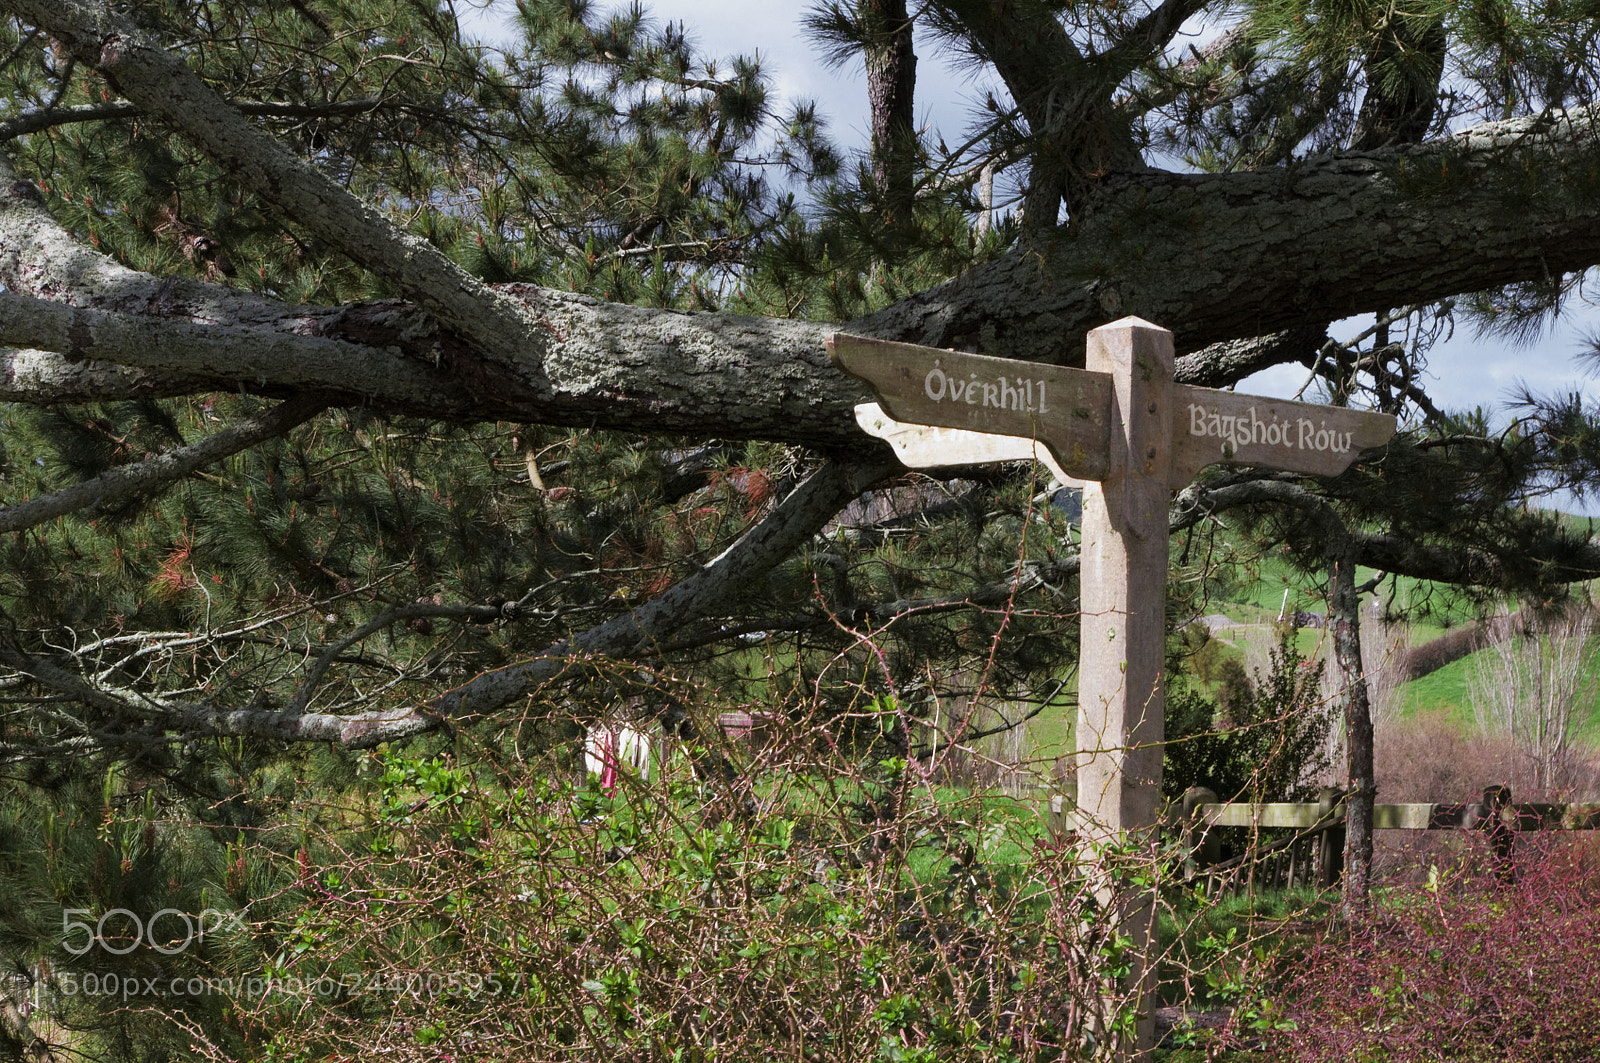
<point>1268,742</point>
<point>779,906</point>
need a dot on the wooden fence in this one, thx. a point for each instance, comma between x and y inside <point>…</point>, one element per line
<point>1304,842</point>
<point>1314,853</point>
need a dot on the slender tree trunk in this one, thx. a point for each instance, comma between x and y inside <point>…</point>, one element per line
<point>986,197</point>
<point>891,90</point>
<point>1402,74</point>
<point>1344,616</point>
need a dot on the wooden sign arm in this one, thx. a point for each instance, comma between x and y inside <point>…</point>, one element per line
<point>1212,427</point>
<point>1066,409</point>
<point>927,447</point>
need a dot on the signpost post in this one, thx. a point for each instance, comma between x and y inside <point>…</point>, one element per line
<point>1126,428</point>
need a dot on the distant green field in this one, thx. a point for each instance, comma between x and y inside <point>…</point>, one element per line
<point>1427,609</point>
<point>1254,600</point>
<point>1447,690</point>
<point>1431,607</point>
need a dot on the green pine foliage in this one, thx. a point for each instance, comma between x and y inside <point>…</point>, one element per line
<point>1295,74</point>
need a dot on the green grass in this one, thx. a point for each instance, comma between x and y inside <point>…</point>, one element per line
<point>1263,637</point>
<point>1447,690</point>
<point>1258,594</point>
<point>1428,609</point>
<point>1254,601</point>
<point>1052,731</point>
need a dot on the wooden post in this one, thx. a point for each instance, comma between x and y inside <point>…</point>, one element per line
<point>1061,801</point>
<point>1123,422</point>
<point>1200,844</point>
<point>1502,835</point>
<point>1330,843</point>
<point>1124,585</point>
<point>1123,596</point>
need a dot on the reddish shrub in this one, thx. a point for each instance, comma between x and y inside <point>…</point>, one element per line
<point>1457,969</point>
<point>1431,757</point>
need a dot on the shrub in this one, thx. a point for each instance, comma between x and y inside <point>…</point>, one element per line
<point>1432,757</point>
<point>1457,969</point>
<point>1267,742</point>
<point>781,903</point>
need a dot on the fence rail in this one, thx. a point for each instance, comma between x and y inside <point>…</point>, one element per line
<point>1316,850</point>
<point>1314,853</point>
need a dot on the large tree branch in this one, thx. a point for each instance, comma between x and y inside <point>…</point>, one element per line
<point>162,84</point>
<point>623,366</point>
<point>271,361</point>
<point>1562,558</point>
<point>1079,135</point>
<point>1230,361</point>
<point>627,636</point>
<point>891,63</point>
<point>775,537</point>
<point>357,731</point>
<point>1225,256</point>
<point>1214,257</point>
<point>50,117</point>
<point>665,624</point>
<point>1034,56</point>
<point>145,478</point>
<point>1402,72</point>
<point>127,708</point>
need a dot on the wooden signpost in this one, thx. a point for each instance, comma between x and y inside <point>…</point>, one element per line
<point>1070,412</point>
<point>1126,428</point>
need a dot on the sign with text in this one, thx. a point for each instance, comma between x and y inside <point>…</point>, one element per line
<point>1211,426</point>
<point>1066,409</point>
<point>1123,422</point>
<point>1069,410</point>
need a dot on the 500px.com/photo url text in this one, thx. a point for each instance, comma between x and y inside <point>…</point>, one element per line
<point>348,984</point>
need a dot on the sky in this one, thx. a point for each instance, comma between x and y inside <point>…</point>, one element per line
<point>1465,371</point>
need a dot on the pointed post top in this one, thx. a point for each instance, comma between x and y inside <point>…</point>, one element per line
<point>1130,322</point>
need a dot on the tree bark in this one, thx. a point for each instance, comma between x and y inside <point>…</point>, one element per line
<point>1402,73</point>
<point>666,624</point>
<point>1213,257</point>
<point>891,61</point>
<point>1344,617</point>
